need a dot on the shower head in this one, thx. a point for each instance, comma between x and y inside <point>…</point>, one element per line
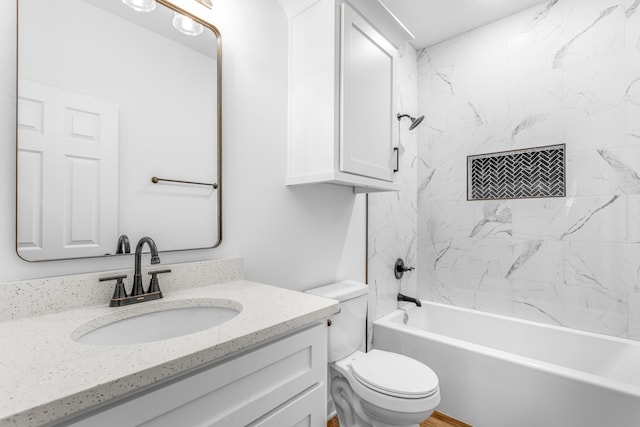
<point>414,121</point>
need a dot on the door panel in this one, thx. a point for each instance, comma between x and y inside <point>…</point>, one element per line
<point>69,142</point>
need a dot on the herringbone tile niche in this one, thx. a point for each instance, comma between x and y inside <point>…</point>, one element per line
<point>519,174</point>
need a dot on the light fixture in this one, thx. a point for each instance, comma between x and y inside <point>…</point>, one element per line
<point>141,5</point>
<point>186,25</point>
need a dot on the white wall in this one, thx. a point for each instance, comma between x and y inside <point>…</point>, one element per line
<point>292,237</point>
<point>561,72</point>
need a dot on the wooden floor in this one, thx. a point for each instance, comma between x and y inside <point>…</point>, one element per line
<point>436,420</point>
<point>441,420</point>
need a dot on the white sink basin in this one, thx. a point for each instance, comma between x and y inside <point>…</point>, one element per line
<point>158,325</point>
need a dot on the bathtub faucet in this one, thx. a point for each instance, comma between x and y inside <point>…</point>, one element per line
<point>416,301</point>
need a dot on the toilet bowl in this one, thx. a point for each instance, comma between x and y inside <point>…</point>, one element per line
<point>386,389</point>
<point>378,388</point>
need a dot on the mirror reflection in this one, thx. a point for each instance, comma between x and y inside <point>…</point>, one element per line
<point>112,93</point>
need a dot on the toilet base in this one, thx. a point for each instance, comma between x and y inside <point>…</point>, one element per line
<point>355,412</point>
<point>385,418</point>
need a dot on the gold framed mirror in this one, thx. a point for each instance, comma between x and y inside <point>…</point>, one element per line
<point>111,94</point>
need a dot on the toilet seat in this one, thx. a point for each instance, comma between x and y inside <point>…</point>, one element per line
<point>394,375</point>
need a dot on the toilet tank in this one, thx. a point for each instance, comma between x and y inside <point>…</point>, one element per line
<point>347,332</point>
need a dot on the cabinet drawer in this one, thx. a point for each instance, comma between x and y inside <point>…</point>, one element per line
<point>232,393</point>
<point>299,412</point>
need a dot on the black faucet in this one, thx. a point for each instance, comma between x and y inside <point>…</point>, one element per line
<point>137,273</point>
<point>138,294</point>
<point>416,301</point>
<point>123,246</point>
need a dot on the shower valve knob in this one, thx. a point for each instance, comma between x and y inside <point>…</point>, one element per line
<point>399,268</point>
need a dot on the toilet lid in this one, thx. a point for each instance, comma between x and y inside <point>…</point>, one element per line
<point>394,374</point>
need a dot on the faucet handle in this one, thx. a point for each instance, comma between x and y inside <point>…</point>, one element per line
<point>154,285</point>
<point>119,291</point>
<point>399,268</point>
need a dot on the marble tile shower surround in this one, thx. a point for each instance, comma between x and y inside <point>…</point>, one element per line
<point>393,216</point>
<point>563,72</point>
<point>35,297</point>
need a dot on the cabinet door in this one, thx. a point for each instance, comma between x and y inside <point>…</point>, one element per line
<point>368,69</point>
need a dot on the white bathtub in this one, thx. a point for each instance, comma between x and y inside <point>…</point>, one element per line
<point>497,371</point>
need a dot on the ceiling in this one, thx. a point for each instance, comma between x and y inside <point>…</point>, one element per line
<point>432,21</point>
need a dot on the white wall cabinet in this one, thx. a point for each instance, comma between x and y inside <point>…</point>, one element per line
<point>282,383</point>
<point>342,93</point>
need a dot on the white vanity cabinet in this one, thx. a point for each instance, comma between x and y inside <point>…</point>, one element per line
<point>342,93</point>
<point>281,383</point>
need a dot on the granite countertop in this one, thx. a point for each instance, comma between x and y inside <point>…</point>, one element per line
<point>46,376</point>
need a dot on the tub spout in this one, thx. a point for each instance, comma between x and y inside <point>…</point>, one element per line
<point>416,301</point>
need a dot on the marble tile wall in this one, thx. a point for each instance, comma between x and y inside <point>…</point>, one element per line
<point>565,71</point>
<point>393,216</point>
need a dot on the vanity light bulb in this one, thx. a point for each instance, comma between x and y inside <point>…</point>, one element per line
<point>186,25</point>
<point>141,5</point>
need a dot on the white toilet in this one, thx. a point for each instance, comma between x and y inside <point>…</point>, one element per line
<point>378,388</point>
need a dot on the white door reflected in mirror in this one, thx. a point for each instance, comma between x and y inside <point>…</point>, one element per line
<point>68,156</point>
